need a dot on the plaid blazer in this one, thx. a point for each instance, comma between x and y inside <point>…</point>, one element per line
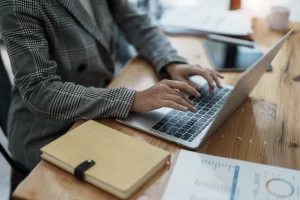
<point>62,61</point>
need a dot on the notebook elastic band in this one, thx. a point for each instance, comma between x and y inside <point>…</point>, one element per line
<point>81,168</point>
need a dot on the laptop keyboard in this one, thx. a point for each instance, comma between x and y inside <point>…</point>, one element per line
<point>187,125</point>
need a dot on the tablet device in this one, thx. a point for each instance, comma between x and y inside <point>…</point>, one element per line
<point>227,56</point>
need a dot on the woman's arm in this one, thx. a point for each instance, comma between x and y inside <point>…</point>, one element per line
<point>43,91</point>
<point>154,46</point>
<point>147,38</point>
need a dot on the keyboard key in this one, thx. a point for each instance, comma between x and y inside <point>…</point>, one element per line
<point>176,117</point>
<point>216,92</point>
<point>190,123</point>
<point>196,127</point>
<point>166,127</point>
<point>219,95</point>
<point>191,131</point>
<point>160,123</point>
<point>201,112</point>
<point>210,120</point>
<point>203,95</point>
<point>198,107</point>
<point>199,124</point>
<point>186,136</point>
<point>178,125</point>
<point>186,118</point>
<point>203,120</point>
<point>213,102</point>
<point>190,114</point>
<point>186,127</point>
<point>226,89</point>
<point>207,116</point>
<point>193,120</point>
<point>182,122</point>
<point>180,113</point>
<point>156,127</point>
<point>201,104</point>
<point>217,106</point>
<point>217,98</point>
<point>164,119</point>
<point>173,112</point>
<point>197,133</point>
<point>172,131</point>
<point>208,98</point>
<point>210,113</point>
<point>208,123</point>
<point>205,109</point>
<point>214,109</point>
<point>205,101</point>
<point>209,105</point>
<point>182,130</point>
<point>168,116</point>
<point>191,139</point>
<point>198,116</point>
<point>173,121</point>
<point>178,134</point>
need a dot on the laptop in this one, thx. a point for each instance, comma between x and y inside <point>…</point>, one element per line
<point>191,130</point>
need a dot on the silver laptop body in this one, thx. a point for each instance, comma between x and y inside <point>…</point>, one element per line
<point>192,129</point>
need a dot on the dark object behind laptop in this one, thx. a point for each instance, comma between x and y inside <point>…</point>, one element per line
<point>230,57</point>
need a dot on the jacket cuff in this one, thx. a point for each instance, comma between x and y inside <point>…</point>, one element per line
<point>124,102</point>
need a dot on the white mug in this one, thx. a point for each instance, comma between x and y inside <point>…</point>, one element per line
<point>278,19</point>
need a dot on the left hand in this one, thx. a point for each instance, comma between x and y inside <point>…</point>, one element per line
<point>182,72</point>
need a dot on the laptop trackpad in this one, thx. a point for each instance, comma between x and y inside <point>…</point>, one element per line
<point>145,120</point>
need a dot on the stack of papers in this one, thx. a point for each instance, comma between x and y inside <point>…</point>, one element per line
<point>197,21</point>
<point>203,177</point>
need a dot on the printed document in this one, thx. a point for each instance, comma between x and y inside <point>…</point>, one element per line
<point>203,177</point>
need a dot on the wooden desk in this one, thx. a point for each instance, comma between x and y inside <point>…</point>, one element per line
<point>268,122</point>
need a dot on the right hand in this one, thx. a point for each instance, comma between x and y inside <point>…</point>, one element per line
<point>165,94</point>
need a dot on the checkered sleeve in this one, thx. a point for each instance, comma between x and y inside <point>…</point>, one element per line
<point>43,91</point>
<point>147,38</point>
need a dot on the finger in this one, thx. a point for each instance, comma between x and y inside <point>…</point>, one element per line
<point>185,98</point>
<point>181,86</point>
<point>210,81</point>
<point>178,93</point>
<point>179,100</point>
<point>189,82</point>
<point>216,78</point>
<point>208,76</point>
<point>202,72</point>
<point>172,104</point>
<point>219,75</point>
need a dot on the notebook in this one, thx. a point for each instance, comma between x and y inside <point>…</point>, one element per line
<point>122,163</point>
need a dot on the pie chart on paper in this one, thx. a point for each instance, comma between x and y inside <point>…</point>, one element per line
<point>280,188</point>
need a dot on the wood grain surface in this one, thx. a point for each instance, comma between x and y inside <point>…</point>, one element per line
<point>266,124</point>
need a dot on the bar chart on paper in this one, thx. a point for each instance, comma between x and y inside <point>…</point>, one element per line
<point>220,180</point>
<point>203,177</point>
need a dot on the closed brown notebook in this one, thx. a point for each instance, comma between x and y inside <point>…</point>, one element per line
<point>122,163</point>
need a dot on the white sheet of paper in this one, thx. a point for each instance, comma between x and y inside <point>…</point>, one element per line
<point>211,21</point>
<point>203,177</point>
<point>203,4</point>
